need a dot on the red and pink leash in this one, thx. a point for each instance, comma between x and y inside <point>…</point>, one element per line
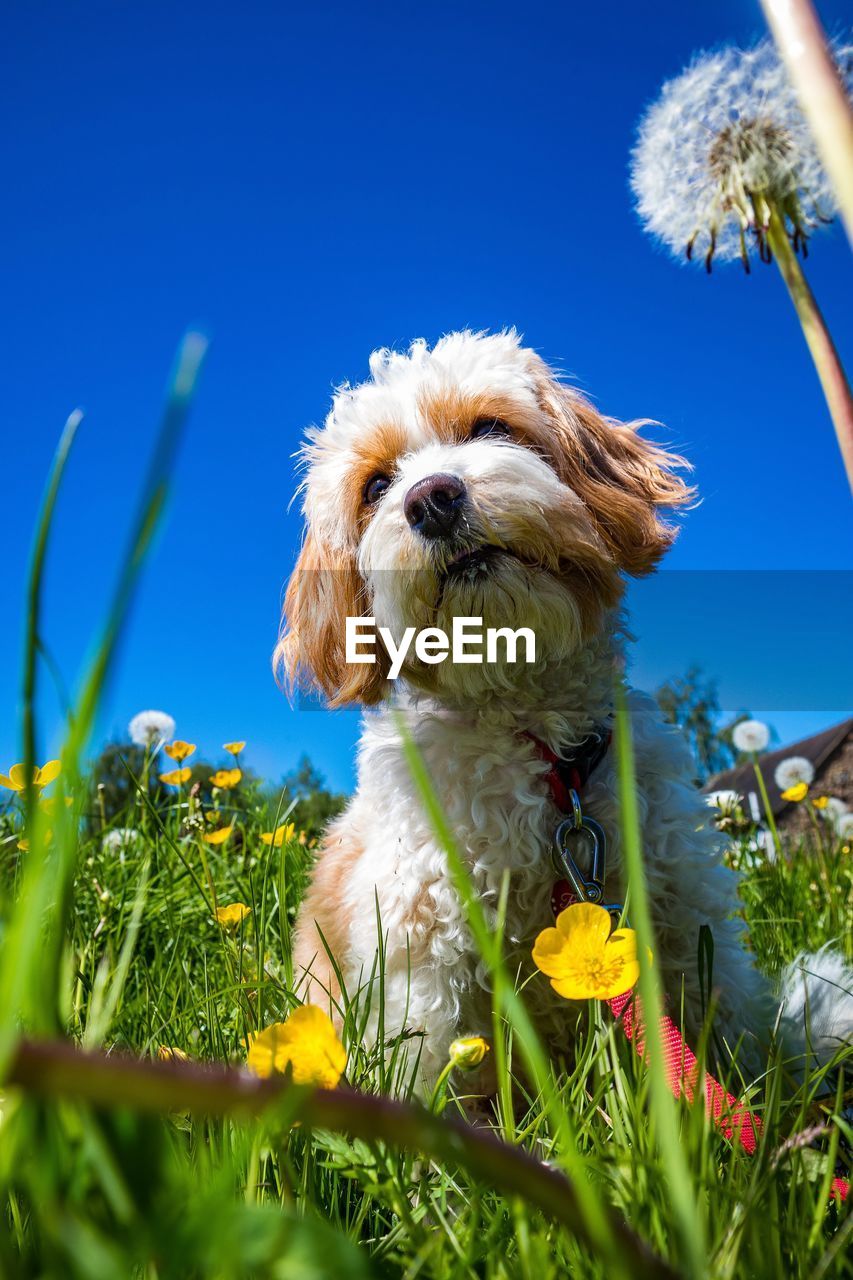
<point>729,1115</point>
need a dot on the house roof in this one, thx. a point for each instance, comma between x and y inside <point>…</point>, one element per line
<point>818,749</point>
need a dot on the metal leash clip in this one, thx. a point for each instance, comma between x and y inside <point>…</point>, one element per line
<point>578,829</point>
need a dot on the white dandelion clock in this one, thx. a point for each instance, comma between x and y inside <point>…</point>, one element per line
<point>723,148</point>
<point>151,728</point>
<point>751,736</point>
<point>833,812</point>
<point>845,826</point>
<point>725,163</point>
<point>725,801</point>
<point>765,844</point>
<point>120,840</point>
<point>793,770</point>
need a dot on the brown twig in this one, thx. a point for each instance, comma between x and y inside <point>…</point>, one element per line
<point>56,1069</point>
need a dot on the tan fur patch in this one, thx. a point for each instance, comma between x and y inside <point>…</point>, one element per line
<point>623,479</point>
<point>324,589</point>
<point>376,453</point>
<point>324,906</point>
<point>451,412</point>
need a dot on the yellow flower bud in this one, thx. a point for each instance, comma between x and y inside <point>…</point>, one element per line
<point>169,1053</point>
<point>468,1052</point>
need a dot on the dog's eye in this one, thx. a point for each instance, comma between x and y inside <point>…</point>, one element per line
<point>495,427</point>
<point>375,488</point>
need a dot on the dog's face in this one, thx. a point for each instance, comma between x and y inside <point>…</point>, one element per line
<point>467,481</point>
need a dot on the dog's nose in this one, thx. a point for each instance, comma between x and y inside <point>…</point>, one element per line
<point>433,505</point>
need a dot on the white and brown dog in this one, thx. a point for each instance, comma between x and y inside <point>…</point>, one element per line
<point>466,480</point>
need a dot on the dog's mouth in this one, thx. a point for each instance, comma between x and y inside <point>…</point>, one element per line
<point>472,562</point>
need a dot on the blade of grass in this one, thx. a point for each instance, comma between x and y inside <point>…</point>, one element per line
<point>15,983</point>
<point>178,401</point>
<point>506,997</point>
<point>35,581</point>
<point>101,1012</point>
<point>31,960</point>
<point>664,1107</point>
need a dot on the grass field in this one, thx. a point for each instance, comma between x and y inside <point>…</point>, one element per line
<point>111,945</point>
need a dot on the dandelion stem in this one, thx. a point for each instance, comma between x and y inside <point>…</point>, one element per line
<point>801,42</point>
<point>833,379</point>
<point>768,809</point>
<point>664,1108</point>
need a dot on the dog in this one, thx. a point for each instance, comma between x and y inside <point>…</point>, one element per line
<point>468,480</point>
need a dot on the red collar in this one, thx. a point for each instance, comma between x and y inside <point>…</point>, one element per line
<point>572,772</point>
<point>569,774</point>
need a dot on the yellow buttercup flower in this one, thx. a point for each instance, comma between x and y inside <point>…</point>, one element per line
<point>307,1043</point>
<point>583,959</point>
<point>233,748</point>
<point>233,915</point>
<point>468,1052</point>
<point>16,778</point>
<point>225,779</point>
<point>280,836</point>
<point>796,793</point>
<point>168,1053</point>
<point>219,836</point>
<point>177,776</point>
<point>179,750</point>
<point>820,802</point>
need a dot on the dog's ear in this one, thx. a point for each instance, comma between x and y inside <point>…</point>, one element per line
<point>624,480</point>
<point>324,590</point>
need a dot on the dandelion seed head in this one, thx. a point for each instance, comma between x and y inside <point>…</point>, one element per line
<point>119,839</point>
<point>765,844</point>
<point>834,812</point>
<point>725,801</point>
<point>844,826</point>
<point>725,140</point>
<point>793,770</point>
<point>150,728</point>
<point>751,736</point>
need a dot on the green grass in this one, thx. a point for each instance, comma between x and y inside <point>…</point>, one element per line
<point>110,1174</point>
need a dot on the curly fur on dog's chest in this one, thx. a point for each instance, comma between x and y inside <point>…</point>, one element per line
<point>492,789</point>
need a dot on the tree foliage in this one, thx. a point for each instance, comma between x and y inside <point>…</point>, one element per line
<point>692,702</point>
<point>315,804</point>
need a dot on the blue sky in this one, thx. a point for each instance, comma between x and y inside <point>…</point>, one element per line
<point>310,182</point>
